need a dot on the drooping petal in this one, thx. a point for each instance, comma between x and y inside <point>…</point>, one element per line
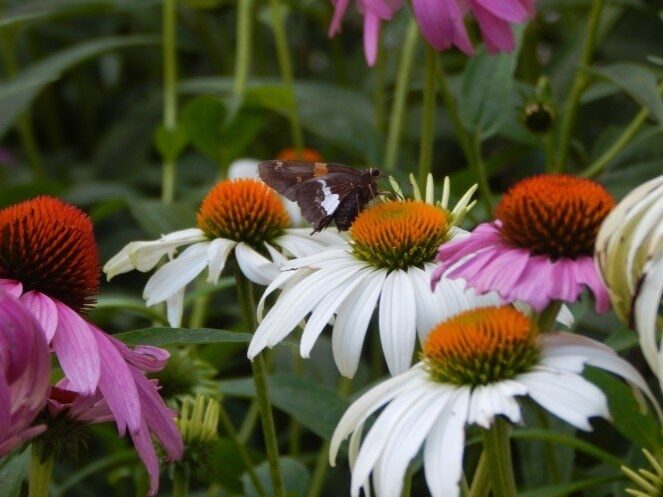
<point>442,24</point>
<point>77,350</point>
<point>445,446</point>
<point>352,321</point>
<point>176,274</point>
<point>397,321</point>
<point>44,311</point>
<point>323,312</point>
<point>255,266</point>
<point>117,385</point>
<point>217,254</point>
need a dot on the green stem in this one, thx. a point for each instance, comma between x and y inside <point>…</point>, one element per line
<point>481,480</point>
<point>549,447</point>
<point>243,46</point>
<point>397,118</point>
<point>229,428</point>
<point>620,143</point>
<point>247,304</point>
<point>295,428</point>
<point>286,70</point>
<point>379,95</point>
<point>428,115</point>
<point>579,83</point>
<point>479,168</point>
<point>498,453</point>
<point>546,318</point>
<point>180,481</point>
<point>169,94</point>
<point>407,484</point>
<point>249,423</point>
<point>24,123</point>
<point>471,146</point>
<point>41,470</point>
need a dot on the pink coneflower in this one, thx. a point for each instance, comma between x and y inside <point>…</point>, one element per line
<point>49,259</point>
<point>25,370</point>
<point>375,12</point>
<point>540,247</point>
<point>442,22</point>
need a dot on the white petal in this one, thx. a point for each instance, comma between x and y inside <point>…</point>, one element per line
<point>276,256</point>
<point>376,441</point>
<point>443,454</point>
<point>281,281</point>
<point>144,255</point>
<point>176,274</point>
<point>255,266</point>
<point>488,401</point>
<point>300,245</point>
<point>566,395</point>
<point>598,355</point>
<point>294,305</point>
<point>352,320</point>
<point>217,254</point>
<point>324,311</point>
<point>370,402</point>
<point>325,258</point>
<point>243,168</point>
<point>175,308</point>
<point>647,303</point>
<point>397,321</point>
<point>407,438</point>
<point>565,317</point>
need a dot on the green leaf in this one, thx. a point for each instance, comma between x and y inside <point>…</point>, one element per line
<point>181,336</point>
<point>568,441</point>
<point>203,119</point>
<point>170,143</point>
<point>486,93</point>
<point>135,305</point>
<point>317,408</point>
<point>12,473</point>
<point>627,414</point>
<point>638,81</point>
<point>565,489</point>
<point>17,94</point>
<point>295,479</point>
<point>22,13</point>
<point>157,218</point>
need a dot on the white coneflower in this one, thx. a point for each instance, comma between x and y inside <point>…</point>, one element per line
<point>243,216</point>
<point>629,255</point>
<point>474,367</point>
<point>386,263</point>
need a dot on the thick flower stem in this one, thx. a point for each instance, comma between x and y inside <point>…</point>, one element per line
<point>397,118</point>
<point>428,116</point>
<point>579,83</point>
<point>230,430</point>
<point>498,454</point>
<point>243,46</point>
<point>169,33</point>
<point>286,70</point>
<point>620,143</point>
<point>180,481</point>
<point>41,469</point>
<point>481,480</point>
<point>259,370</point>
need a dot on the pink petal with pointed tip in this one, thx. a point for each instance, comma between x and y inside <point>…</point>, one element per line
<point>44,310</point>
<point>77,350</point>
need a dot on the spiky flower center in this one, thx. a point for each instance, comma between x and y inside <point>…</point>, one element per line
<point>49,246</point>
<point>244,210</point>
<point>554,214</point>
<point>399,234</point>
<point>481,346</point>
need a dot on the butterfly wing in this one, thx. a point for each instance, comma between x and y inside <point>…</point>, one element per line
<point>286,176</point>
<point>320,198</point>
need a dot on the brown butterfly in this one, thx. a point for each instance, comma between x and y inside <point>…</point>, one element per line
<point>324,192</point>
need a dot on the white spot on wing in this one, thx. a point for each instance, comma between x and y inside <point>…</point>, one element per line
<point>330,200</point>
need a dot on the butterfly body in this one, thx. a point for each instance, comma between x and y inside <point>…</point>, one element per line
<point>324,192</point>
